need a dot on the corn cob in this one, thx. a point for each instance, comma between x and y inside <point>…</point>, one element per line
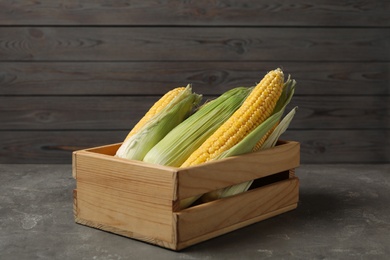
<point>137,145</point>
<point>268,132</point>
<point>179,143</point>
<point>242,148</point>
<point>155,109</point>
<point>287,93</point>
<point>257,107</point>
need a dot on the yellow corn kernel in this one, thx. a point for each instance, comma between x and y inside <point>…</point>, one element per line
<point>262,140</point>
<point>257,107</point>
<point>155,109</point>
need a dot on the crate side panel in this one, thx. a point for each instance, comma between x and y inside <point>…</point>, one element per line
<point>219,216</point>
<point>149,183</point>
<point>120,210</point>
<point>223,173</point>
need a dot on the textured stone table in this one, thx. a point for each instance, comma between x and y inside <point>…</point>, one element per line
<point>343,213</point>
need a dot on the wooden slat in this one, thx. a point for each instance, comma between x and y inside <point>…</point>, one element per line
<point>201,12</point>
<point>73,113</point>
<point>51,146</point>
<point>221,214</point>
<point>197,44</point>
<point>317,146</point>
<point>237,226</point>
<point>221,174</point>
<point>150,185</point>
<point>122,112</point>
<point>341,112</point>
<point>342,146</point>
<point>155,77</point>
<point>128,233</point>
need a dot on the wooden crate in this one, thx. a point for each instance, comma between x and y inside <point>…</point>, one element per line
<point>141,200</point>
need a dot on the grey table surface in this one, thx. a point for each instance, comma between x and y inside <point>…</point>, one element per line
<point>343,213</point>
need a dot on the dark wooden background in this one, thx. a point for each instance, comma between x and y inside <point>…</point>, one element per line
<point>77,74</point>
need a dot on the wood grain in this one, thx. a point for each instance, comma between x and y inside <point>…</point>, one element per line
<point>211,78</point>
<point>116,194</point>
<point>317,146</point>
<point>83,67</point>
<point>51,146</point>
<point>123,112</point>
<point>136,199</point>
<point>125,232</point>
<point>199,43</point>
<point>221,174</point>
<point>149,184</point>
<point>221,214</point>
<point>342,146</point>
<point>63,113</point>
<point>201,12</point>
<point>98,202</point>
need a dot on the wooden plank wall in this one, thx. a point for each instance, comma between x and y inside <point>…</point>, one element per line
<point>77,74</point>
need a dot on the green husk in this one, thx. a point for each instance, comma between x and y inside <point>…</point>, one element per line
<point>270,142</point>
<point>180,143</point>
<point>249,142</point>
<point>138,145</point>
